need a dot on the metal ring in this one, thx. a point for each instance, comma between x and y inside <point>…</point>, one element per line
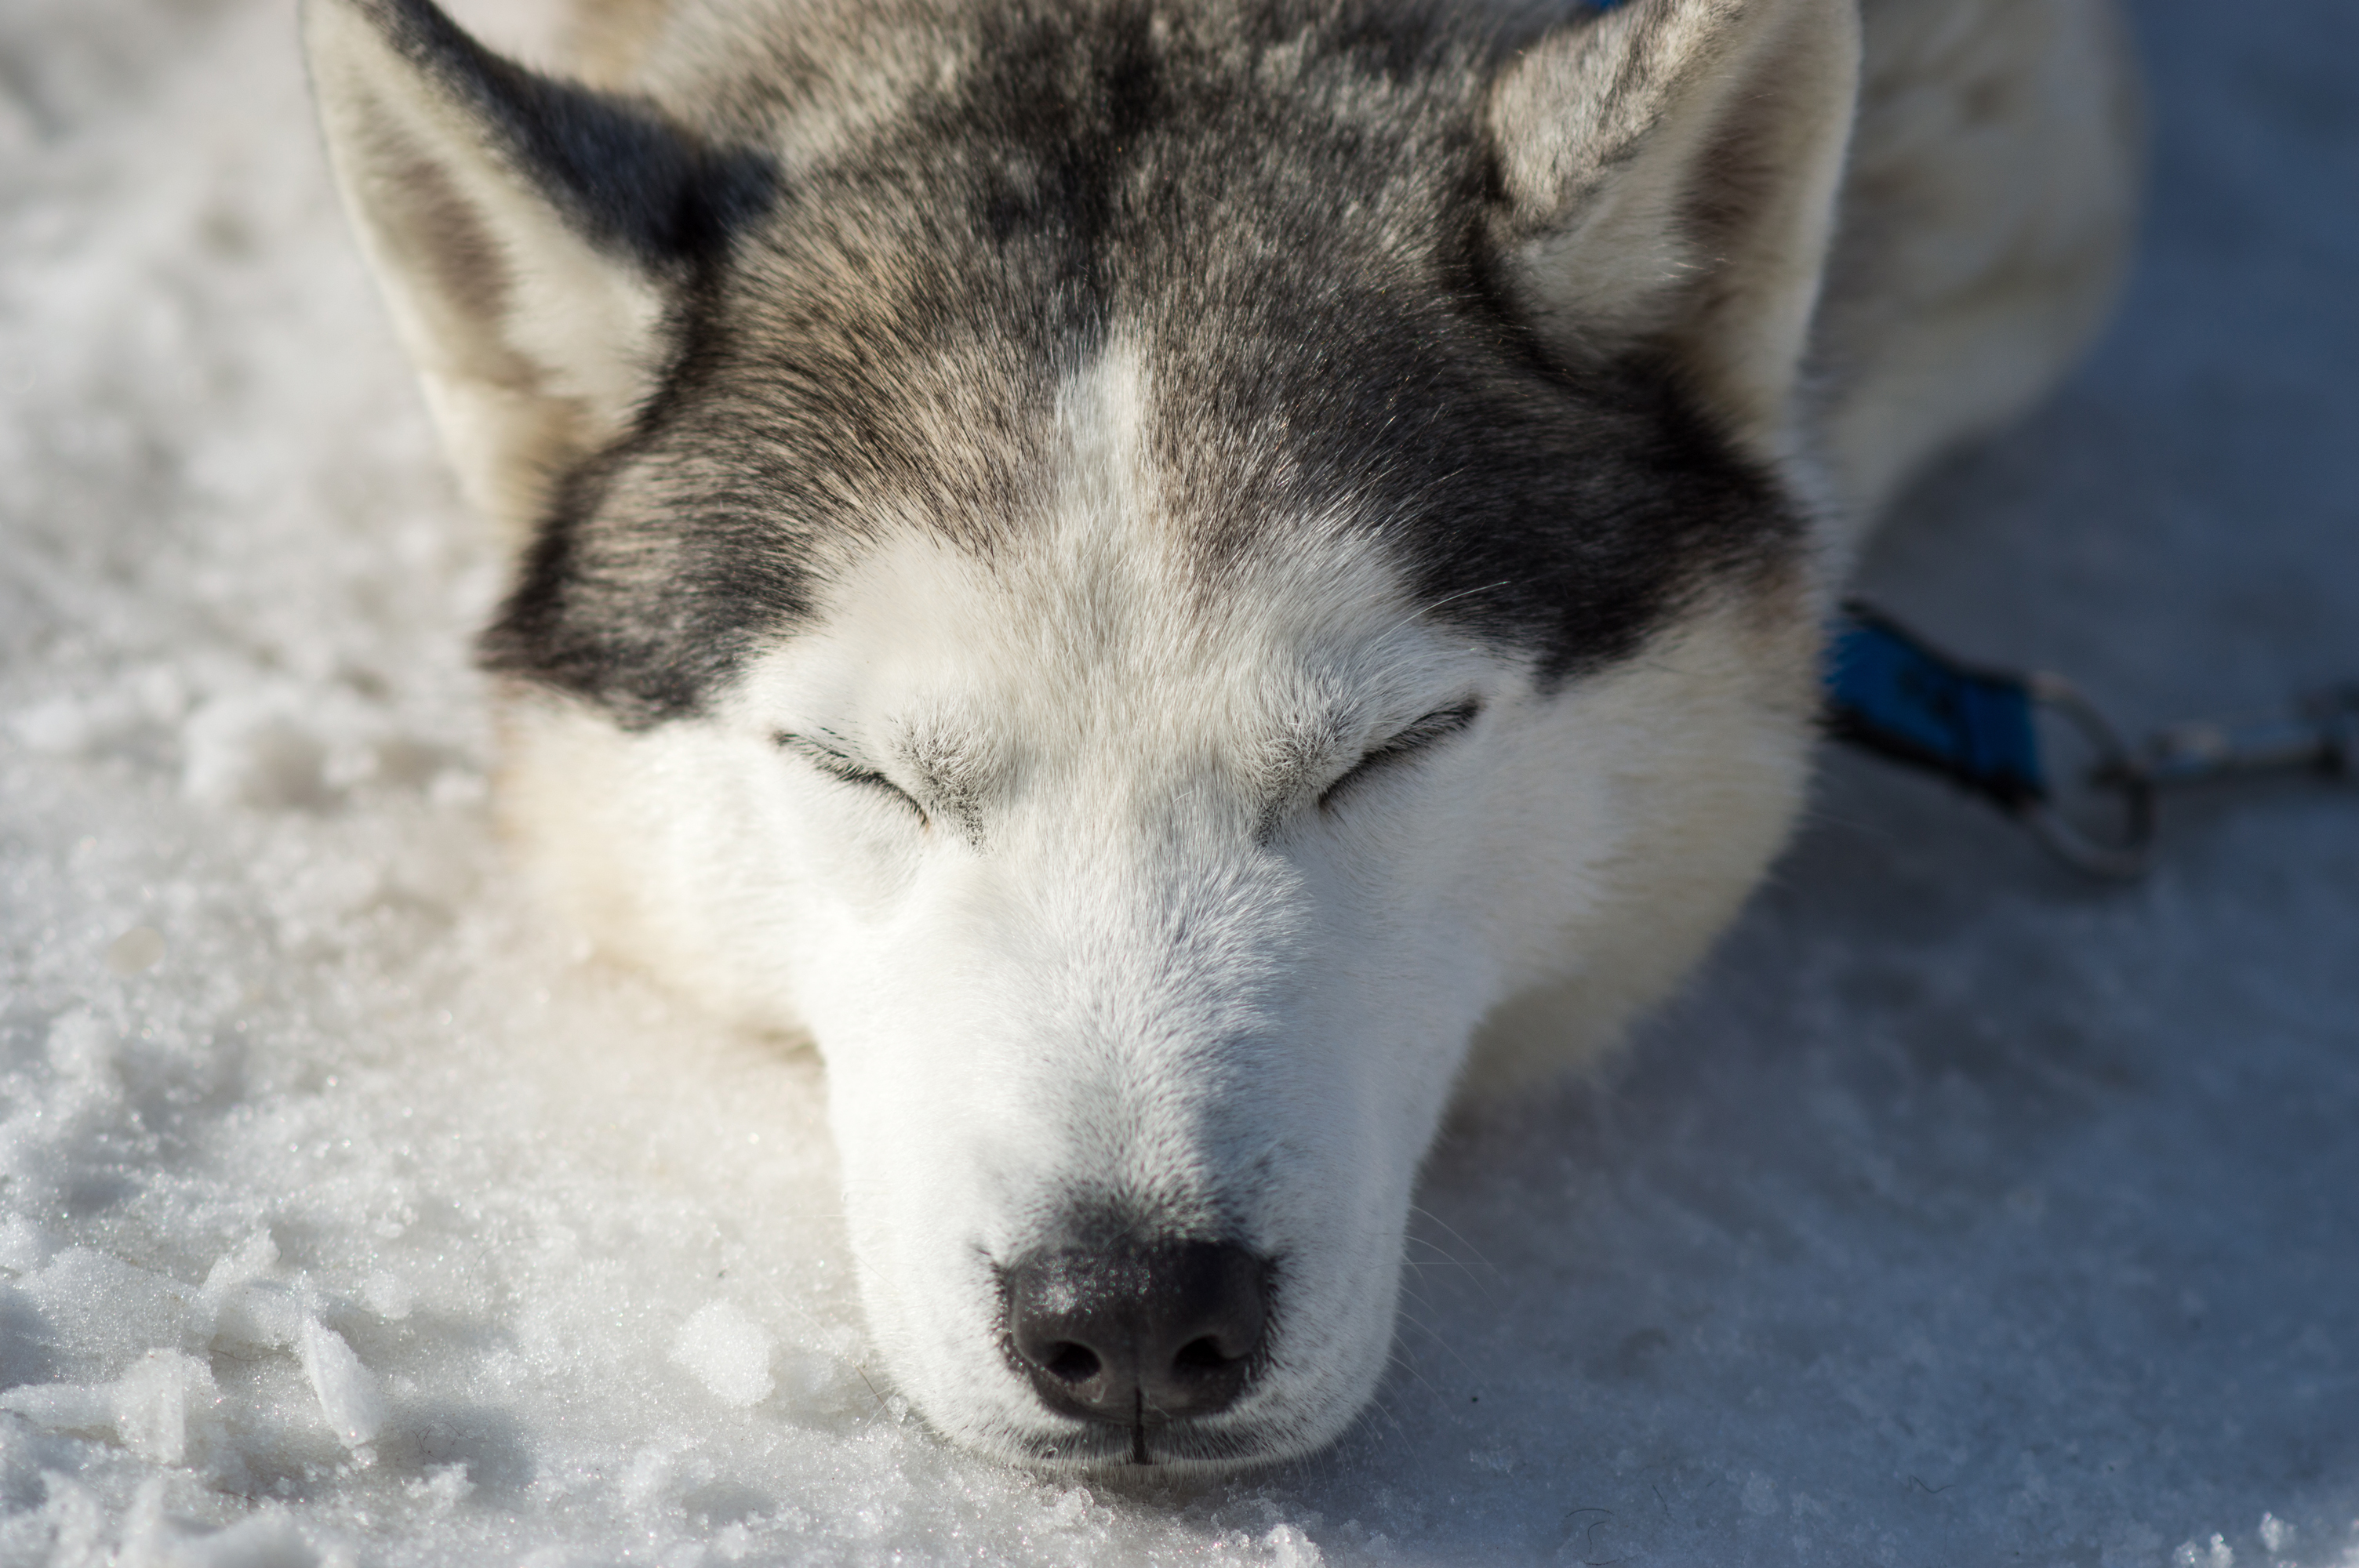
<point>2116,770</point>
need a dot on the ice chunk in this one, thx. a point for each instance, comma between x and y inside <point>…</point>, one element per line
<point>238,1306</point>
<point>728,1352</point>
<point>252,1258</point>
<point>258,1312</point>
<point>165,1409</point>
<point>348,1392</point>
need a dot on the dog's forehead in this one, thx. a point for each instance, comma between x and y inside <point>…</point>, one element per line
<point>1097,613</point>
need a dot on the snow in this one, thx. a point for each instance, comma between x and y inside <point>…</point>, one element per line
<point>728,1352</point>
<point>1964,1212</point>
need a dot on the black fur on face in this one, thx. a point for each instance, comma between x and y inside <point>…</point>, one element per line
<point>1279,207</point>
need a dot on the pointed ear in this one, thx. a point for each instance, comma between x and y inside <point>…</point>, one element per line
<point>533,238</point>
<point>1670,171</point>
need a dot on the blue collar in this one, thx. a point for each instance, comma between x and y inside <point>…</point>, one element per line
<point>1890,693</point>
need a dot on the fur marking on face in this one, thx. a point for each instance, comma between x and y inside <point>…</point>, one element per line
<point>1179,584</point>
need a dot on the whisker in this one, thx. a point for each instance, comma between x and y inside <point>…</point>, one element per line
<point>1463,1365</point>
<point>1420,611</point>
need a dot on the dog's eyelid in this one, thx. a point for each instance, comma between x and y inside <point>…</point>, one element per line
<point>1437,725</point>
<point>1414,737</point>
<point>832,758</point>
<point>846,768</point>
<point>1424,730</point>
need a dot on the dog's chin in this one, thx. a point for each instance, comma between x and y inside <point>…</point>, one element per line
<point>1175,1450</point>
<point>1265,1429</point>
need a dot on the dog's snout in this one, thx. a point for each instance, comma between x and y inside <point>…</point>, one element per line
<point>1138,1335</point>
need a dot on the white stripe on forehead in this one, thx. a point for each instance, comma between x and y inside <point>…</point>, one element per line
<point>1104,476</point>
<point>1126,545</point>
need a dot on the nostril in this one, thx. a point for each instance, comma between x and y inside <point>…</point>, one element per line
<point>1201,1355</point>
<point>1071,1363</point>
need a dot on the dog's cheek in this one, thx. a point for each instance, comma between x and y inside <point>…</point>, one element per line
<point>1424,888</point>
<point>919,1211</point>
<point>772,875</point>
<point>856,860</point>
<point>628,837</point>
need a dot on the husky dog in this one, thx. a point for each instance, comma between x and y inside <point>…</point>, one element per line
<point>1177,581</point>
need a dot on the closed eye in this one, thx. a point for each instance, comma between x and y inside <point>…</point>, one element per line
<point>1425,733</point>
<point>847,769</point>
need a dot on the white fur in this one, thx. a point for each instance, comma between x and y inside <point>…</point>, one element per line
<point>1117,963</point>
<point>1133,976</point>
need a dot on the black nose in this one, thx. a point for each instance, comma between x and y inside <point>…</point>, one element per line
<point>1138,1335</point>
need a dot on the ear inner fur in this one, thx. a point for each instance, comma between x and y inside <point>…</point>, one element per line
<point>536,239</point>
<point>1671,172</point>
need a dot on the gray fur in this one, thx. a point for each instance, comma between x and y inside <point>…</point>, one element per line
<point>1291,209</point>
<point>1174,580</point>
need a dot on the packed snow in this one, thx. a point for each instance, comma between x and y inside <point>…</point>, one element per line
<point>1964,1212</point>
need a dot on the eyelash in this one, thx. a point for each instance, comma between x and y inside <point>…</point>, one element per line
<point>1433,728</point>
<point>843,770</point>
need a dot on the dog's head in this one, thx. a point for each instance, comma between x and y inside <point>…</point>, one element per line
<point>1141,571</point>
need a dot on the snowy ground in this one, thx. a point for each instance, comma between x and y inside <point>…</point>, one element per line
<point>1965,1213</point>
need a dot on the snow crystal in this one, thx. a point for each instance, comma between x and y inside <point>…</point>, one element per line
<point>2218,1554</point>
<point>245,749</point>
<point>1963,1213</point>
<point>1289,1548</point>
<point>387,1295</point>
<point>728,1352</point>
<point>269,1538</point>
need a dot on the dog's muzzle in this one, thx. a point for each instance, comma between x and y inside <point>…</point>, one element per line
<point>1138,1335</point>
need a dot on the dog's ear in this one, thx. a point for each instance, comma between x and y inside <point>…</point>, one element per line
<point>1669,172</point>
<point>533,238</point>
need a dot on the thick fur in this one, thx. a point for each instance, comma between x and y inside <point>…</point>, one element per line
<point>1174,581</point>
